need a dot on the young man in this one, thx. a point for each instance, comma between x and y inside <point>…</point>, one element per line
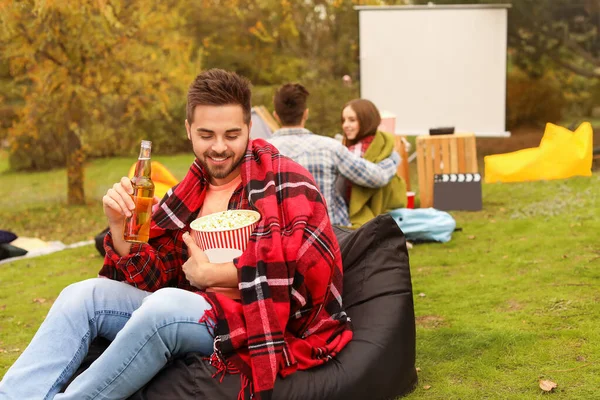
<point>289,315</point>
<point>325,158</point>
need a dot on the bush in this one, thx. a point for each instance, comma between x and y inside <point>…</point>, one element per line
<point>581,94</point>
<point>7,115</point>
<point>533,101</point>
<point>42,152</point>
<point>105,136</point>
<point>44,149</point>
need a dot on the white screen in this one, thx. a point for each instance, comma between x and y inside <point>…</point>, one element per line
<point>436,66</point>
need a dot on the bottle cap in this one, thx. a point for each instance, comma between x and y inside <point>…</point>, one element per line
<point>146,143</point>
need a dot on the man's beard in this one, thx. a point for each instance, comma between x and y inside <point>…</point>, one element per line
<point>220,172</point>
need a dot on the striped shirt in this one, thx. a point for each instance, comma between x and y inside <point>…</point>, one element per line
<point>327,159</point>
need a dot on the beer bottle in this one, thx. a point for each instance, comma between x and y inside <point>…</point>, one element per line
<point>137,226</point>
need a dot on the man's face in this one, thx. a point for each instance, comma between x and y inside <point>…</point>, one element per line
<point>219,138</point>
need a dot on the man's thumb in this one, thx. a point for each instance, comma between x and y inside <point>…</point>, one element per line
<point>189,242</point>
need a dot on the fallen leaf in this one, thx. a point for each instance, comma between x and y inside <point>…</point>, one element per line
<point>493,221</point>
<point>502,209</point>
<point>39,300</point>
<point>505,257</point>
<point>418,369</point>
<point>427,387</point>
<point>547,386</point>
<point>3,307</point>
<point>422,295</point>
<point>2,351</point>
<point>580,358</point>
<point>565,256</point>
<point>471,237</point>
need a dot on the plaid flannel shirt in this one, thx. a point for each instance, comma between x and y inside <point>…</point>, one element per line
<point>327,159</point>
<point>290,276</point>
<point>157,264</point>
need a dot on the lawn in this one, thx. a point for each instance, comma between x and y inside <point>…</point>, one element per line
<point>512,299</point>
<point>34,204</point>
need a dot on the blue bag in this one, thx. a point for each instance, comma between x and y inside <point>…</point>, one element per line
<point>424,224</point>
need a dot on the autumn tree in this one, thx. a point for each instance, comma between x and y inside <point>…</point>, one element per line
<point>274,41</point>
<point>561,33</point>
<point>89,71</point>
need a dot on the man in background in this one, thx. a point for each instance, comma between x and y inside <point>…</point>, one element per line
<point>325,158</point>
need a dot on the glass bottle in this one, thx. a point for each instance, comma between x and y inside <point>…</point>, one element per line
<point>137,226</point>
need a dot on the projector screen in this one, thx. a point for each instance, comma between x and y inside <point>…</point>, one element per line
<point>436,66</point>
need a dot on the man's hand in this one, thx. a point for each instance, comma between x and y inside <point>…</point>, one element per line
<point>201,273</point>
<point>117,202</point>
<point>197,267</point>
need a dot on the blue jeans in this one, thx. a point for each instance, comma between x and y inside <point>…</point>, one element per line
<point>146,330</point>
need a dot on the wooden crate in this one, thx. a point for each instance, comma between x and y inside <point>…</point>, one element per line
<point>443,154</point>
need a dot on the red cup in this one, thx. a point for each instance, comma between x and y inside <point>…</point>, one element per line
<point>410,199</point>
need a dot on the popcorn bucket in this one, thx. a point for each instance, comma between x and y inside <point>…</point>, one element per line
<point>224,235</point>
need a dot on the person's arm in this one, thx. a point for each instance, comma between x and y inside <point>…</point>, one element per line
<point>148,266</point>
<point>202,273</point>
<point>363,172</point>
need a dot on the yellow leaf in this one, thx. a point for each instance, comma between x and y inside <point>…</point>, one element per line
<point>547,386</point>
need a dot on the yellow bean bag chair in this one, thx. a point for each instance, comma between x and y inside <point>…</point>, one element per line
<point>163,179</point>
<point>561,154</point>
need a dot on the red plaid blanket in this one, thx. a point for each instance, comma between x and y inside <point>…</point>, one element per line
<point>290,276</point>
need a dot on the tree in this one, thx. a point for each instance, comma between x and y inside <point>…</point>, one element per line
<point>90,70</point>
<point>552,33</point>
<point>274,41</point>
<point>563,33</point>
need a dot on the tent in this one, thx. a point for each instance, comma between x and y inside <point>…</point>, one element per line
<point>263,123</point>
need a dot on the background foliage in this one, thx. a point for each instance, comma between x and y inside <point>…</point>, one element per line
<point>94,77</point>
<point>90,78</point>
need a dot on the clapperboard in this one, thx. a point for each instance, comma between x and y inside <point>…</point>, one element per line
<point>457,192</point>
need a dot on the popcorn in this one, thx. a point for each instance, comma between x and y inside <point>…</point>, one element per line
<point>225,220</point>
<point>224,235</point>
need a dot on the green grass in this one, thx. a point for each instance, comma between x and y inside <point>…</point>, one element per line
<point>510,300</point>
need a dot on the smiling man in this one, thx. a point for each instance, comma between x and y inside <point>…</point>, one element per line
<point>222,154</point>
<point>283,312</point>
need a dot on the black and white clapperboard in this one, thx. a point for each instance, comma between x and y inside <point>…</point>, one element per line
<point>457,192</point>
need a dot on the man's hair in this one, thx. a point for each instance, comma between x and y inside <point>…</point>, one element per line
<point>217,87</point>
<point>368,118</point>
<point>290,103</point>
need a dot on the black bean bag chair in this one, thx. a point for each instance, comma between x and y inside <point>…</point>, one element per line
<point>378,364</point>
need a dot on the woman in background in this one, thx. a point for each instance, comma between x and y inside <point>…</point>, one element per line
<point>360,120</point>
